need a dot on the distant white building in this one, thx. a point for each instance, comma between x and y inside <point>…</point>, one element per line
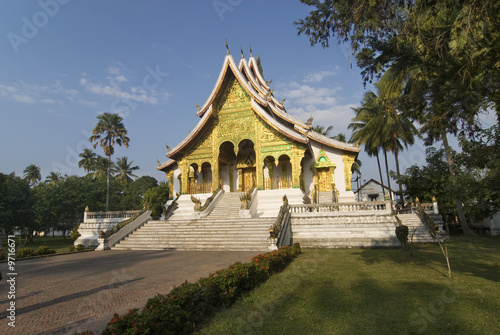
<point>372,191</point>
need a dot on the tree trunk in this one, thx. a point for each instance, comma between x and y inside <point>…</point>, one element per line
<point>381,178</point>
<point>458,204</point>
<point>107,183</point>
<point>401,197</point>
<point>388,176</point>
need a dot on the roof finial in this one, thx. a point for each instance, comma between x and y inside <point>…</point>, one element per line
<point>241,49</point>
<point>251,51</point>
<point>227,47</point>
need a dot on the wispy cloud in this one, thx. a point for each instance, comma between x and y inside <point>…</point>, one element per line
<point>307,98</point>
<point>318,76</point>
<point>31,94</point>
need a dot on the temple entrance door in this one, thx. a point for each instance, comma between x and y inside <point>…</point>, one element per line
<point>248,175</point>
<point>324,180</point>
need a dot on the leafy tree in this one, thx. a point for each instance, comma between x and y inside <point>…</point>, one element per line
<point>32,174</point>
<point>88,161</point>
<point>155,198</point>
<point>16,205</point>
<point>109,131</point>
<point>444,54</point>
<point>144,183</point>
<point>123,170</point>
<point>61,206</point>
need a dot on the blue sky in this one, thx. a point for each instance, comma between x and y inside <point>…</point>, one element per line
<point>63,62</point>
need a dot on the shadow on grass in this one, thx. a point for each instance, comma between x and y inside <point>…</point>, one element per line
<point>473,256</point>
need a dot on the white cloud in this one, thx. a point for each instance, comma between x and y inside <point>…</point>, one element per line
<point>113,70</point>
<point>322,103</point>
<point>318,76</point>
<point>48,94</point>
<point>23,98</point>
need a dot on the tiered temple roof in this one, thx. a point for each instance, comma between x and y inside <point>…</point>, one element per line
<point>263,103</point>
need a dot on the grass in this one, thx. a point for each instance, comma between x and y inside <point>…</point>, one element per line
<point>57,243</point>
<point>376,291</point>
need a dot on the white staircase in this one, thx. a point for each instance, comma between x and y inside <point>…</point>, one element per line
<point>416,228</point>
<point>359,231</point>
<point>223,229</point>
<point>337,231</point>
<point>325,197</point>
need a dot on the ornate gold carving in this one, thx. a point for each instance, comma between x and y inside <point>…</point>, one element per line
<point>348,161</point>
<point>234,96</point>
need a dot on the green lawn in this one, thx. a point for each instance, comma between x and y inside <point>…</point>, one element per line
<point>376,291</point>
<point>58,243</point>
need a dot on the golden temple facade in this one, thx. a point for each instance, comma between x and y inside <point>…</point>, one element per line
<point>246,138</point>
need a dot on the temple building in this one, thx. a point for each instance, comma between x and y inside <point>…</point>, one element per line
<point>246,138</point>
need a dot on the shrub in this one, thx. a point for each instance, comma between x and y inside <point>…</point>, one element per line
<point>44,250</point>
<point>402,235</point>
<point>189,304</point>
<point>80,247</point>
<point>71,248</point>
<point>74,233</point>
<point>25,252</point>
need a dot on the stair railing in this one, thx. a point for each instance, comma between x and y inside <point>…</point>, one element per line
<point>431,226</point>
<point>112,237</point>
<point>209,204</point>
<point>248,208</point>
<point>281,230</point>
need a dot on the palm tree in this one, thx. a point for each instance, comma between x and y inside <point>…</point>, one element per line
<point>109,131</point>
<point>365,126</point>
<point>101,167</point>
<point>53,178</point>
<point>123,170</point>
<point>88,160</point>
<point>32,174</point>
<point>322,130</point>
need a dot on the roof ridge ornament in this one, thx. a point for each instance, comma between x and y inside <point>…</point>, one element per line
<point>241,49</point>
<point>227,47</point>
<point>251,55</point>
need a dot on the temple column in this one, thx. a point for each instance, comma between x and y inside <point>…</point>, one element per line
<point>240,180</point>
<point>170,178</point>
<point>184,176</point>
<point>297,155</point>
<point>215,169</point>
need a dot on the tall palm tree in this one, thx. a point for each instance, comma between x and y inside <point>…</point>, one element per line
<point>400,130</point>
<point>32,174</point>
<point>365,126</point>
<point>88,160</point>
<point>123,170</point>
<point>109,131</point>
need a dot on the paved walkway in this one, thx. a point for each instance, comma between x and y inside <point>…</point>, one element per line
<point>76,292</point>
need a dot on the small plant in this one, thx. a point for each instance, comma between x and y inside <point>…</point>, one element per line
<point>71,248</point>
<point>74,233</point>
<point>25,252</point>
<point>80,247</point>
<point>44,250</point>
<point>402,235</point>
